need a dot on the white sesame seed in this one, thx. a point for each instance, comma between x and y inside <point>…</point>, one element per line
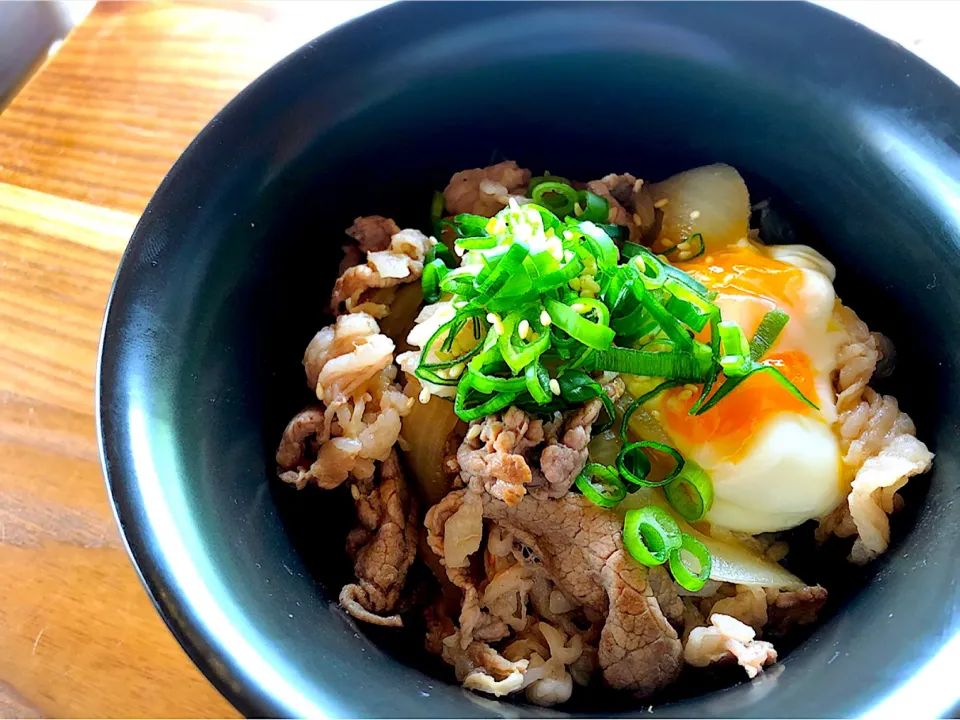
<point>637,185</point>
<point>661,203</point>
<point>523,329</point>
<point>685,245</point>
<point>355,492</point>
<point>667,243</point>
<point>694,215</point>
<point>456,371</point>
<point>655,413</point>
<point>545,318</point>
<point>497,323</point>
<point>578,307</point>
<point>554,386</point>
<point>685,255</point>
<point>424,396</point>
<point>637,219</point>
<point>458,250</point>
<point>577,210</point>
<point>474,431</point>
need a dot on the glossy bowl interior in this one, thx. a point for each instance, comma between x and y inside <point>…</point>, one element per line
<point>229,271</point>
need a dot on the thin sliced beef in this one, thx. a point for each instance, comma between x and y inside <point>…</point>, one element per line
<point>383,545</point>
<point>485,191</point>
<point>579,544</point>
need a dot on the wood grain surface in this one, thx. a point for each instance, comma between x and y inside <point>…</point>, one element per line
<point>82,148</point>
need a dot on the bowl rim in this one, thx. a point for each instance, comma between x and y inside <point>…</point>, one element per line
<point>928,684</point>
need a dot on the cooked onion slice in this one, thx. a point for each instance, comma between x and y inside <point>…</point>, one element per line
<point>711,200</point>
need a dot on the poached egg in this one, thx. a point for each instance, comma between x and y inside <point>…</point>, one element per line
<point>775,462</point>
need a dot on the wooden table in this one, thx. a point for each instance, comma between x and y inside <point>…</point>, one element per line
<point>82,148</point>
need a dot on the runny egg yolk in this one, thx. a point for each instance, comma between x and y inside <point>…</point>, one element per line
<point>774,461</point>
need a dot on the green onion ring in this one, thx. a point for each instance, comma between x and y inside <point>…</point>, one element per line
<point>691,493</point>
<point>567,195</point>
<point>601,485</point>
<point>596,336</point>
<point>594,208</point>
<point>537,381</point>
<point>681,573</point>
<point>542,179</point>
<point>650,535</point>
<point>516,352</point>
<point>635,450</point>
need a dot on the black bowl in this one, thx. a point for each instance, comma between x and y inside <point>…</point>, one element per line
<point>227,275</point>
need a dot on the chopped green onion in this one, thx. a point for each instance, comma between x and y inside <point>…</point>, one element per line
<point>591,306</point>
<point>433,273</point>
<point>712,375</point>
<point>467,225</point>
<point>650,535</point>
<point>441,251</point>
<point>625,423</point>
<point>689,307</point>
<point>547,177</point>
<point>436,211</point>
<point>594,208</point>
<point>556,196</point>
<point>517,352</point>
<point>560,277</point>
<point>538,383</point>
<point>634,465</point>
<point>510,264</point>
<point>631,250</point>
<point>650,270</point>
<point>468,412</point>
<point>735,360</point>
<point>601,485</point>
<point>596,336</point>
<point>600,244</point>
<point>700,248</point>
<point>691,492</point>
<point>689,579</point>
<point>619,233</point>
<point>731,383</point>
<point>489,384</point>
<point>667,322</point>
<point>505,302</point>
<point>476,243</point>
<point>427,371</point>
<point>770,328</point>
<point>676,365</point>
